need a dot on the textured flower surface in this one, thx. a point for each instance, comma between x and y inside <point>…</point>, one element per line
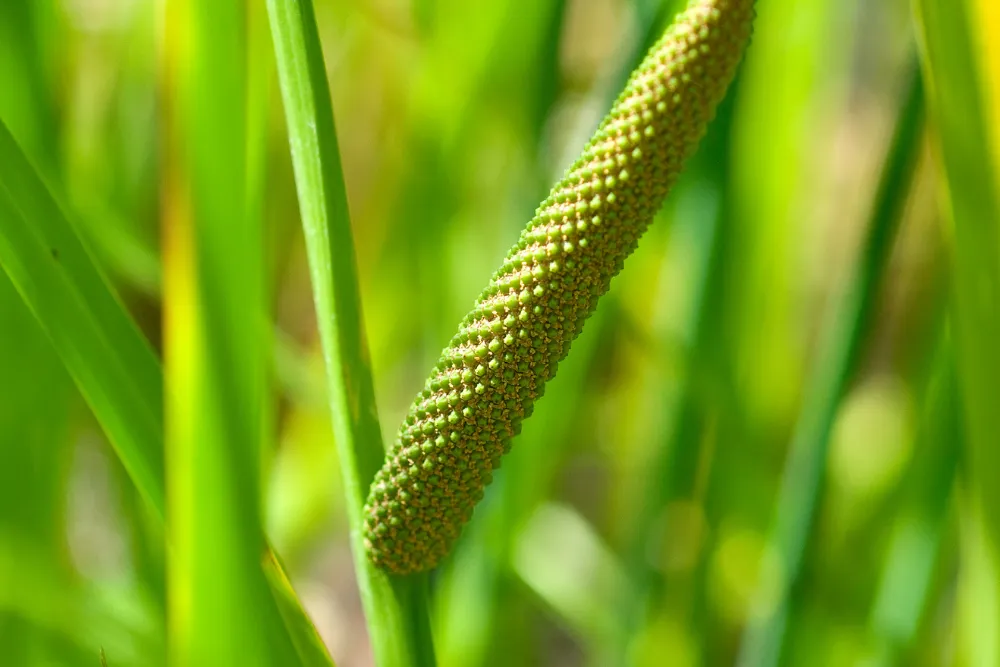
<point>508,346</point>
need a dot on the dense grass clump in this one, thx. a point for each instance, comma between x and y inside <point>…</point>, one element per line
<point>773,443</point>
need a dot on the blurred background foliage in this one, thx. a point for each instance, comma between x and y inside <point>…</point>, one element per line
<point>752,455</point>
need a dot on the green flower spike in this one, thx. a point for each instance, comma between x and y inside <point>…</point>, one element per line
<point>496,367</point>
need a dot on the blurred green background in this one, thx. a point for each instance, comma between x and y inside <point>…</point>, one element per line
<point>755,454</point>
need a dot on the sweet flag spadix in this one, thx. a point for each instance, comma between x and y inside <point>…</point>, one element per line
<point>521,327</point>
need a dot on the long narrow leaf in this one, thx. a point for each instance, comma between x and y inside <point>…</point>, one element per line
<point>907,579</point>
<point>109,359</point>
<point>107,356</point>
<point>959,107</point>
<point>220,609</point>
<point>799,495</point>
<point>395,608</point>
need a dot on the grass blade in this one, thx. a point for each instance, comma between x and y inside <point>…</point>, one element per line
<point>959,106</point>
<point>35,394</point>
<point>35,391</point>
<point>110,361</point>
<point>107,356</point>
<point>395,608</point>
<point>554,553</point>
<point>799,494</point>
<point>905,585</point>
<point>220,610</point>
<point>309,645</point>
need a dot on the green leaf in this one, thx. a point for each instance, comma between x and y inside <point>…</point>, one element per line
<point>309,645</point>
<point>107,356</point>
<point>906,582</point>
<point>800,492</point>
<point>35,395</point>
<point>110,361</point>
<point>959,111</point>
<point>220,609</point>
<point>395,607</point>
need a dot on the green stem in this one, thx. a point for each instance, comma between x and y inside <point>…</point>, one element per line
<point>395,607</point>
